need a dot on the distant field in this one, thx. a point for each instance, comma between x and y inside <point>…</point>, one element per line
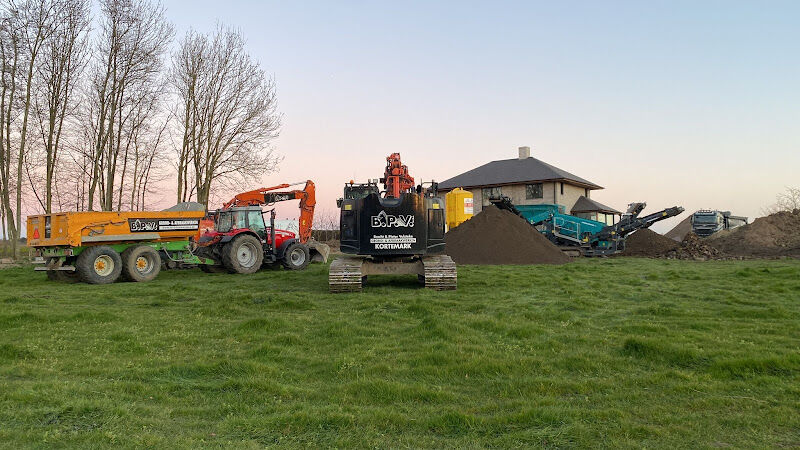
<point>597,353</point>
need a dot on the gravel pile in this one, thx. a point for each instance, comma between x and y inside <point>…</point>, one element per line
<point>681,230</point>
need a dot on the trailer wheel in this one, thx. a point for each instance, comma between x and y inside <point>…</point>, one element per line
<point>296,257</point>
<point>140,263</point>
<point>99,265</point>
<point>243,254</point>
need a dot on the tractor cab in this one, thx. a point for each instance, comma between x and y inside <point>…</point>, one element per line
<point>245,218</point>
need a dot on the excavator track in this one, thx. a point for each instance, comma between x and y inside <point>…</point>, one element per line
<point>345,274</point>
<point>440,273</point>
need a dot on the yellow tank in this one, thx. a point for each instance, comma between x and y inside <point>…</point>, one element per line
<point>459,207</point>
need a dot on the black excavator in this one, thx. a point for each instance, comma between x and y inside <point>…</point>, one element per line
<point>397,231</point>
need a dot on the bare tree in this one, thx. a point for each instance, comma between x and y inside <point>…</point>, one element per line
<point>326,224</point>
<point>133,39</point>
<point>26,27</point>
<point>63,60</point>
<point>227,113</point>
<point>788,200</point>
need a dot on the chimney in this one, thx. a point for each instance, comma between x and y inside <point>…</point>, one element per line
<point>524,152</point>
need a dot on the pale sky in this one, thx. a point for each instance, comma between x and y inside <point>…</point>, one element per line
<point>674,103</point>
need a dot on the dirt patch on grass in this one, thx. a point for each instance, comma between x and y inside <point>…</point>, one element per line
<point>774,235</point>
<point>495,236</point>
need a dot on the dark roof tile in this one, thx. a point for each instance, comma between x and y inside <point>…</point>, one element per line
<point>511,171</point>
<point>586,205</point>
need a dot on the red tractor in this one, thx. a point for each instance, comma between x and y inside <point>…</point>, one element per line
<point>239,240</point>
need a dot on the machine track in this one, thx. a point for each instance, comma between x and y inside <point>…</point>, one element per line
<point>345,274</point>
<point>440,273</point>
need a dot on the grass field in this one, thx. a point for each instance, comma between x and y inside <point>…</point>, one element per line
<point>611,353</point>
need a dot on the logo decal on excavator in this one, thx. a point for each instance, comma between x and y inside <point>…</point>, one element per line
<point>383,220</point>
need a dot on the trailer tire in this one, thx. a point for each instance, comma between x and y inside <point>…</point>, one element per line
<point>140,263</point>
<point>244,254</point>
<point>296,257</point>
<point>99,265</point>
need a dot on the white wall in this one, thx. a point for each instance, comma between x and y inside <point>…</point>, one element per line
<point>551,193</point>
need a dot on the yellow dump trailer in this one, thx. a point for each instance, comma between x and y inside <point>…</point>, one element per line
<point>459,204</point>
<point>99,247</point>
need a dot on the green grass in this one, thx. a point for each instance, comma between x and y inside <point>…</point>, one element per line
<point>598,353</point>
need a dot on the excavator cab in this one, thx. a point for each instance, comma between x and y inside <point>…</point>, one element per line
<point>357,191</point>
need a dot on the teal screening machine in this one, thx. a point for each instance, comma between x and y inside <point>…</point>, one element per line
<point>585,237</point>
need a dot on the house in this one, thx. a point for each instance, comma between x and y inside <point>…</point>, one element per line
<point>529,181</point>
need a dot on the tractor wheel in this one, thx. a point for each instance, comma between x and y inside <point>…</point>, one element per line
<point>99,265</point>
<point>243,254</point>
<point>208,268</point>
<point>296,257</point>
<point>140,263</point>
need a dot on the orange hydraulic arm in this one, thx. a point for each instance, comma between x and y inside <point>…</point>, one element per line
<point>396,177</point>
<point>266,196</point>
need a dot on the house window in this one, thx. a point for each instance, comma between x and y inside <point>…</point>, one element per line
<point>489,192</point>
<point>534,191</point>
<point>562,188</point>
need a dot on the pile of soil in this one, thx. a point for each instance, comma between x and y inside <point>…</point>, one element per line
<point>694,248</point>
<point>650,244</point>
<point>681,230</point>
<point>646,242</point>
<point>772,236</point>
<point>496,236</point>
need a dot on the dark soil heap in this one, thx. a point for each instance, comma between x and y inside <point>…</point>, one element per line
<point>495,236</point>
<point>775,235</point>
<point>650,244</point>
<point>681,230</point>
<point>693,247</point>
<point>646,242</point>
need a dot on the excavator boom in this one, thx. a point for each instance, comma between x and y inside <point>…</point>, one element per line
<point>270,195</point>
